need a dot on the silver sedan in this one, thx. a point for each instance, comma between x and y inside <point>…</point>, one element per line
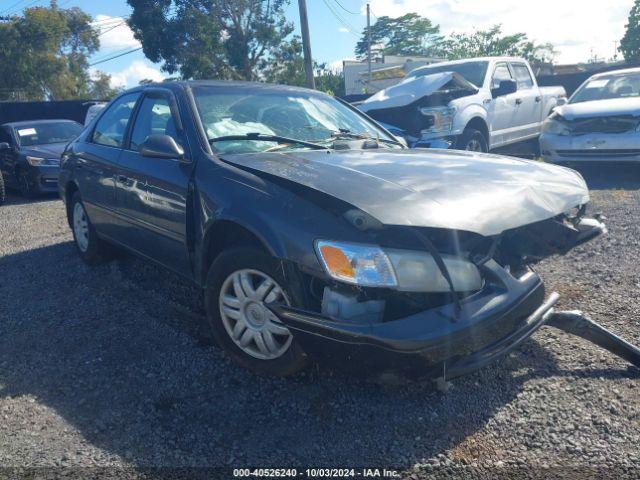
<point>600,123</point>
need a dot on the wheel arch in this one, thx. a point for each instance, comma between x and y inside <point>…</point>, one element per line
<point>224,233</point>
<point>70,189</point>
<point>479,124</point>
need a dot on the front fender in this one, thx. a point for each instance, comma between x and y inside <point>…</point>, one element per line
<point>286,223</point>
<point>468,112</point>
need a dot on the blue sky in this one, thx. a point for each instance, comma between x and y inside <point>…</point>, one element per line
<point>578,28</point>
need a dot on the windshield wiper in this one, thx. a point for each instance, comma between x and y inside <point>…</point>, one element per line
<point>344,133</point>
<point>266,138</point>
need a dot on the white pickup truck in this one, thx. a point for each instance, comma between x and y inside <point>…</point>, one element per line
<point>475,104</point>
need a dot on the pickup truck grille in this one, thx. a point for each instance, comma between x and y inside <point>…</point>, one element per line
<point>615,124</point>
<point>600,153</point>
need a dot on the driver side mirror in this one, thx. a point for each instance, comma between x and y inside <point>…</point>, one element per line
<point>4,146</point>
<point>161,146</point>
<point>506,87</point>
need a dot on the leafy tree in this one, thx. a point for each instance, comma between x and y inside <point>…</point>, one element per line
<point>47,49</point>
<point>329,81</point>
<point>630,43</point>
<point>409,35</point>
<point>227,39</point>
<point>100,87</point>
<point>492,42</point>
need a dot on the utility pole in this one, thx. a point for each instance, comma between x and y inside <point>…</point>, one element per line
<point>306,44</point>
<point>369,45</point>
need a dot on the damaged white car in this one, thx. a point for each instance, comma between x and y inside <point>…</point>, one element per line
<point>477,104</point>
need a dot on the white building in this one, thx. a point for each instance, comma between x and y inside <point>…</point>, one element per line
<point>388,71</point>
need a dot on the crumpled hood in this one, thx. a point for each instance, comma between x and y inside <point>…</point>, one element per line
<point>485,194</point>
<point>51,150</point>
<point>412,89</point>
<point>600,108</point>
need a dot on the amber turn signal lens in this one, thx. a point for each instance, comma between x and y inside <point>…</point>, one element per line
<point>337,262</point>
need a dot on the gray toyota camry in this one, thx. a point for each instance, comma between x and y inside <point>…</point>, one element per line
<point>315,234</point>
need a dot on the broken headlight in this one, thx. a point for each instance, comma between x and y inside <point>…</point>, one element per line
<point>554,126</point>
<point>441,118</point>
<point>404,270</point>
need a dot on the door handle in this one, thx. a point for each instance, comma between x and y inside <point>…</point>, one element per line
<point>518,101</point>
<point>538,99</point>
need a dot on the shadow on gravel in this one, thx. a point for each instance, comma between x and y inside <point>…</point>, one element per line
<point>616,176</point>
<point>120,353</point>
<point>14,198</point>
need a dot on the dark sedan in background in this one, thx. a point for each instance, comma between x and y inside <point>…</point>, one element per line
<point>30,153</point>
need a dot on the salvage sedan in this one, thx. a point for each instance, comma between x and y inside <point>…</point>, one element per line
<point>30,153</point>
<point>314,233</point>
<point>600,123</point>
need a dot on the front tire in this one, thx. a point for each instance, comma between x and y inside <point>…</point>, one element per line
<point>91,249</point>
<point>239,284</point>
<point>2,190</point>
<point>472,140</point>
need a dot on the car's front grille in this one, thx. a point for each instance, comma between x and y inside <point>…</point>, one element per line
<point>600,152</point>
<point>613,124</point>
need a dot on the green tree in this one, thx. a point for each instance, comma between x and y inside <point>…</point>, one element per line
<point>630,43</point>
<point>47,49</point>
<point>492,42</point>
<point>409,35</point>
<point>227,39</point>
<point>100,87</point>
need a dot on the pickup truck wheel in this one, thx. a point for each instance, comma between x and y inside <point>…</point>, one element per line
<point>472,140</point>
<point>239,284</point>
<point>91,249</point>
<point>2,190</point>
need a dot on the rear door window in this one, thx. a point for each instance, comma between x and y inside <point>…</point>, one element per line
<point>523,77</point>
<point>112,125</point>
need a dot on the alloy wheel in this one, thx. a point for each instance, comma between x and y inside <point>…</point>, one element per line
<point>247,320</point>
<point>474,145</point>
<point>81,227</point>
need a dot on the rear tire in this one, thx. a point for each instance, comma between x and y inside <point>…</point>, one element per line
<point>472,140</point>
<point>239,283</point>
<point>90,247</point>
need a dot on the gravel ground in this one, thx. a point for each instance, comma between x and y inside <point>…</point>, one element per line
<point>112,367</point>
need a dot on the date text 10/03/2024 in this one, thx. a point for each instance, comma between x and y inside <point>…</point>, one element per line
<point>315,473</point>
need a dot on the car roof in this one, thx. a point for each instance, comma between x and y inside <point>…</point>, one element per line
<point>25,123</point>
<point>469,60</point>
<point>258,87</point>
<point>622,71</point>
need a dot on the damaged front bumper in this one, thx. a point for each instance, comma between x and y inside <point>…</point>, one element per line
<point>442,343</point>
<point>422,343</point>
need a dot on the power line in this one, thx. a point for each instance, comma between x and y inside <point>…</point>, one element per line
<point>115,56</point>
<point>13,6</point>
<point>346,10</point>
<point>28,5</point>
<point>342,21</point>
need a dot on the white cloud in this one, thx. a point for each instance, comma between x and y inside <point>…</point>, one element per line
<point>575,27</point>
<point>136,71</point>
<point>343,29</point>
<point>115,34</point>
